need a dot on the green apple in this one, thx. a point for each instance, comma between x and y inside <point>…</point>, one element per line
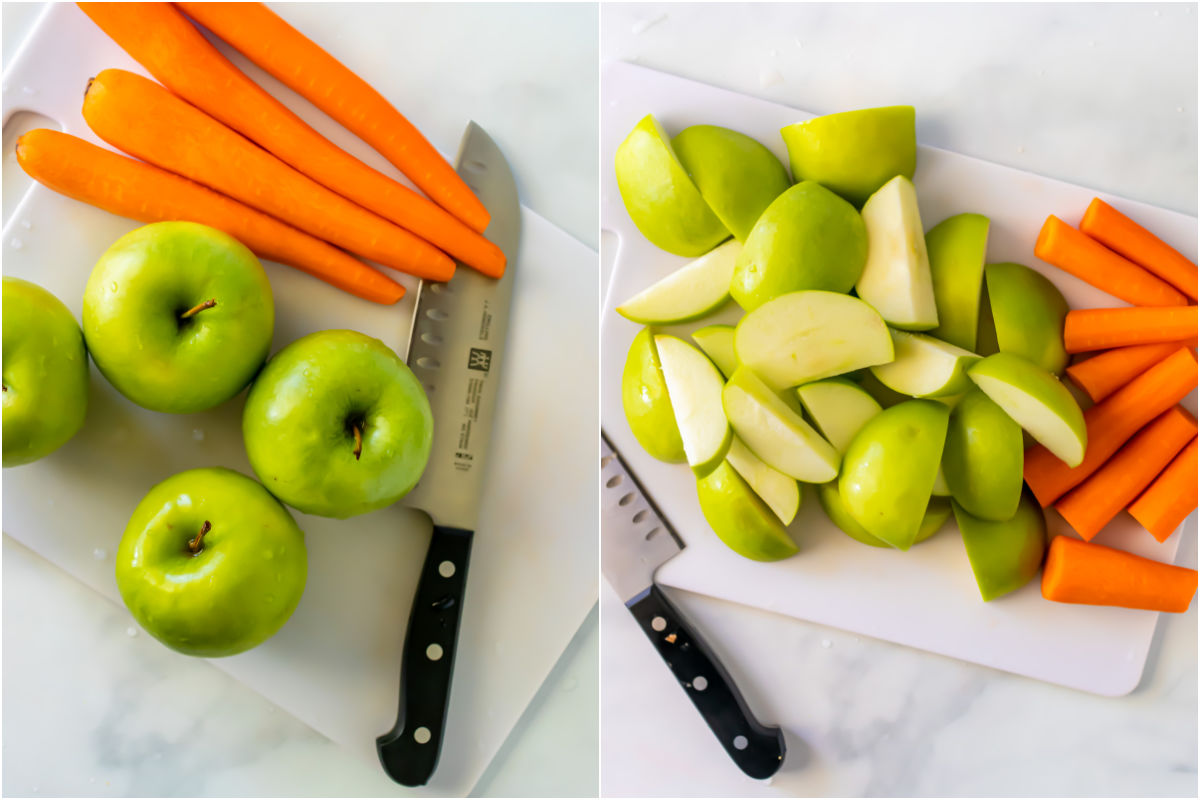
<point>780,492</point>
<point>839,407</point>
<point>883,395</point>
<point>776,433</point>
<point>1037,400</point>
<point>337,425</point>
<point>1004,555</point>
<point>854,152</point>
<point>896,280</point>
<point>178,316</point>
<point>717,343</point>
<point>694,385</point>
<point>983,458</point>
<point>805,336</point>
<point>888,470</point>
<point>737,176</point>
<point>925,366</point>
<point>210,563</point>
<point>940,487</point>
<point>661,199</point>
<point>693,291</point>
<point>936,514</point>
<point>740,518</point>
<point>957,247</point>
<point>808,238</point>
<point>1028,311</point>
<point>646,402</point>
<point>45,383</point>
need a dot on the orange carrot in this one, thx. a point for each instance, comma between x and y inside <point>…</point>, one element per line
<point>1102,328</point>
<point>161,38</point>
<point>1092,504</point>
<point>129,188</point>
<point>1094,575</point>
<point>1118,232</point>
<point>1085,258</point>
<point>1103,374</point>
<point>1171,497</point>
<point>142,118</point>
<point>1111,422</point>
<point>279,49</point>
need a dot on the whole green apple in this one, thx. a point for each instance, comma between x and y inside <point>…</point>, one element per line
<point>210,563</point>
<point>45,385</point>
<point>337,425</point>
<point>647,405</point>
<point>178,316</point>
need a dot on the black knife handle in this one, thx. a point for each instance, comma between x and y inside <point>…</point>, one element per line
<point>409,751</point>
<point>755,748</point>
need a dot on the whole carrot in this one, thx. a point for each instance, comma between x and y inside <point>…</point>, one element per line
<point>1101,375</point>
<point>1119,233</point>
<point>1091,574</point>
<point>1101,328</point>
<point>128,188</point>
<point>1171,497</point>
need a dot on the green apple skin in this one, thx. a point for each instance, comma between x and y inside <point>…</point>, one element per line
<point>935,517</point>
<point>957,247</point>
<point>1004,555</point>
<point>808,238</point>
<point>854,152</point>
<point>984,458</point>
<point>888,471</point>
<point>133,307</point>
<point>661,199</point>
<point>647,406</point>
<point>780,492</point>
<point>717,343</point>
<point>839,407</point>
<point>884,395</point>
<point>299,421</point>
<point>242,585</point>
<point>737,176</point>
<point>1029,312</point>
<point>45,366</point>
<point>740,518</point>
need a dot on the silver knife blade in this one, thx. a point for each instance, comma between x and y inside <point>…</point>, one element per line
<point>457,342</point>
<point>635,538</point>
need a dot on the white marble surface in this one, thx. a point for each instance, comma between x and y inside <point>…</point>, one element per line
<point>1104,96</point>
<point>92,711</point>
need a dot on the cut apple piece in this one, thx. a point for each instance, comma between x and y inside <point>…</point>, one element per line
<point>957,247</point>
<point>740,518</point>
<point>940,487</point>
<point>717,343</point>
<point>1004,555</point>
<point>1028,312</point>
<point>780,492</point>
<point>935,517</point>
<point>839,407</point>
<point>688,293</point>
<point>694,386</point>
<point>983,458</point>
<point>805,336</point>
<point>646,402</point>
<point>896,281</point>
<point>925,367</point>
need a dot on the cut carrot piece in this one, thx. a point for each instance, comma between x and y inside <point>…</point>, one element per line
<point>1103,374</point>
<point>1111,422</point>
<point>1172,496</point>
<point>1085,258</point>
<point>1102,328</point>
<point>128,188</point>
<point>1092,504</point>
<point>1119,233</point>
<point>1091,574</point>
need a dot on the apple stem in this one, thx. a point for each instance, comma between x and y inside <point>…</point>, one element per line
<point>194,310</point>
<point>196,545</point>
<point>357,443</point>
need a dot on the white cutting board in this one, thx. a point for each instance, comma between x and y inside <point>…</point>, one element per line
<point>925,598</point>
<point>335,665</point>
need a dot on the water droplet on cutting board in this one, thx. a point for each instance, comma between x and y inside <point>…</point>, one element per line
<point>198,434</point>
<point>99,554</point>
<point>826,644</point>
<point>16,244</point>
<point>29,90</point>
<point>131,631</point>
<point>26,224</point>
<point>769,76</point>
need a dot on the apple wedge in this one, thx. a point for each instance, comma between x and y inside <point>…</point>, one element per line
<point>1028,311</point>
<point>805,336</point>
<point>776,433</point>
<point>1004,555</point>
<point>957,247</point>
<point>646,402</point>
<point>940,487</point>
<point>839,407</point>
<point>717,343</point>
<point>896,281</point>
<point>925,366</point>
<point>983,458</point>
<point>935,517</point>
<point>690,292</point>
<point>694,386</point>
<point>780,492</point>
<point>740,518</point>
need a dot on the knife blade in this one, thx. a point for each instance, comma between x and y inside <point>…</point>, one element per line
<point>455,349</point>
<point>636,541</point>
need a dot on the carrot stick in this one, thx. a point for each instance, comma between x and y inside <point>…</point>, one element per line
<point>1101,328</point>
<point>1171,497</point>
<point>1111,422</point>
<point>1118,232</point>
<point>128,188</point>
<point>161,39</point>
<point>1092,504</point>
<point>1091,574</point>
<point>142,118</point>
<point>1085,258</point>
<point>1103,374</point>
<point>299,63</point>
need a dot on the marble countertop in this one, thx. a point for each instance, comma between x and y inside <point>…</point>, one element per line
<point>1100,95</point>
<point>93,707</point>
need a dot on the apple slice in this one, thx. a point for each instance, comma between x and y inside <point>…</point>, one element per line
<point>776,433</point>
<point>983,458</point>
<point>940,487</point>
<point>646,402</point>
<point>925,367</point>
<point>717,343</point>
<point>740,518</point>
<point>1004,555</point>
<point>840,408</point>
<point>688,293</point>
<point>957,247</point>
<point>694,387</point>
<point>805,336</point>
<point>1028,311</point>
<point>896,280</point>
<point>780,492</point>
<point>1037,400</point>
<point>935,517</point>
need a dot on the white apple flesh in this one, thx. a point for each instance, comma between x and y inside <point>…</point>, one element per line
<point>688,293</point>
<point>780,492</point>
<point>694,387</point>
<point>925,367</point>
<point>896,281</point>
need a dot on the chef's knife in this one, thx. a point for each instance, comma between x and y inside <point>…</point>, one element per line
<point>636,541</point>
<point>455,351</point>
